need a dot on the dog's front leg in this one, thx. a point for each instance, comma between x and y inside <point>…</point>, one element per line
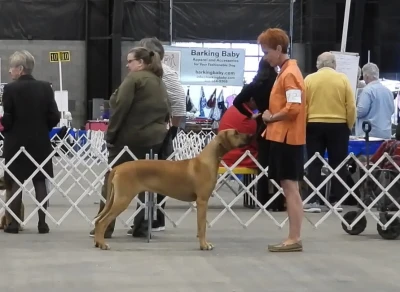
<point>202,206</point>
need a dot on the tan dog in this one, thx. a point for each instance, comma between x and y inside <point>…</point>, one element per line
<point>6,218</point>
<point>186,180</point>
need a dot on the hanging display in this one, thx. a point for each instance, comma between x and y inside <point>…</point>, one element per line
<point>229,100</point>
<point>212,99</point>
<point>189,104</point>
<point>203,102</point>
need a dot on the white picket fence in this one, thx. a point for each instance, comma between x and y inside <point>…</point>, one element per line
<point>81,168</point>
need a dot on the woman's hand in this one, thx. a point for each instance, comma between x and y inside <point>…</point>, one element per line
<point>267,116</point>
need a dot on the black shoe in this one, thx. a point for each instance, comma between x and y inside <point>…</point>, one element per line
<point>140,230</point>
<point>130,231</point>
<point>13,228</point>
<point>275,208</point>
<point>155,228</point>
<point>43,228</point>
<point>107,234</point>
<point>280,209</point>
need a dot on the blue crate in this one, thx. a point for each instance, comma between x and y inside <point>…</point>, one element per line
<point>359,147</point>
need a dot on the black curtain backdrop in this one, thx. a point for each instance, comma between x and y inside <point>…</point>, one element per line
<point>207,20</point>
<point>146,18</point>
<point>42,19</point>
<point>193,20</point>
<point>237,20</point>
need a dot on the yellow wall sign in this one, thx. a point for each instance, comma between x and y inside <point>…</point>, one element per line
<point>63,56</point>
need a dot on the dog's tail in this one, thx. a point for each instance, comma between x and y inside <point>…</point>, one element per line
<point>109,196</point>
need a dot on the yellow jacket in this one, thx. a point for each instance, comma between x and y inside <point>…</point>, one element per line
<point>330,98</point>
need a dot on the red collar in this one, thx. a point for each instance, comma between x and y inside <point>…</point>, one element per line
<point>247,108</point>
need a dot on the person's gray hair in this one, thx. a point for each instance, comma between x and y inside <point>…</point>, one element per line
<point>153,44</point>
<point>359,73</point>
<point>326,59</point>
<point>23,58</point>
<point>370,70</point>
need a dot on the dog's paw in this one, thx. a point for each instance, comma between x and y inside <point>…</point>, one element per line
<point>207,246</point>
<point>102,245</point>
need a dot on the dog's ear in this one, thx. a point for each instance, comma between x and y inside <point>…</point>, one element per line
<point>224,139</point>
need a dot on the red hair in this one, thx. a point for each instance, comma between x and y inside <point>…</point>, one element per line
<point>274,37</point>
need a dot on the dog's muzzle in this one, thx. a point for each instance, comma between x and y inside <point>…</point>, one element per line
<point>250,138</point>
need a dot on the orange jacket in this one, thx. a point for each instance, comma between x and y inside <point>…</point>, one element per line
<point>285,98</point>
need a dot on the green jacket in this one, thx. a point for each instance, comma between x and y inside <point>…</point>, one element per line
<point>139,109</point>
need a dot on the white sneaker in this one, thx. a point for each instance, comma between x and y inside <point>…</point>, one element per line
<point>312,208</point>
<point>157,229</point>
<point>338,208</point>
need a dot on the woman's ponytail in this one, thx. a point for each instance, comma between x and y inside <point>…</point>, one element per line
<point>150,58</point>
<point>155,65</point>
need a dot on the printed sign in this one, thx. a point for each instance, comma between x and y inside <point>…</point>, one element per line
<point>63,56</point>
<point>173,60</point>
<point>347,63</point>
<point>203,66</point>
<point>1,92</point>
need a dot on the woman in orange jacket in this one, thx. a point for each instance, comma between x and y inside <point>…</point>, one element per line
<point>286,131</point>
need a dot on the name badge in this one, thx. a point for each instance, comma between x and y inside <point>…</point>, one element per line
<point>293,96</point>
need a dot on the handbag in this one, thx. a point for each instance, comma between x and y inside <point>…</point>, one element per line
<point>167,147</point>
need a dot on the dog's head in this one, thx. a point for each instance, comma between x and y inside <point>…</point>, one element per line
<point>231,139</point>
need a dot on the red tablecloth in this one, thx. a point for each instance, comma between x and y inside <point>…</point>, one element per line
<point>96,125</point>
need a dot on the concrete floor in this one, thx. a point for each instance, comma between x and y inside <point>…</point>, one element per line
<point>65,259</point>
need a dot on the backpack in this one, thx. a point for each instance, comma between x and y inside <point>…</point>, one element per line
<point>391,147</point>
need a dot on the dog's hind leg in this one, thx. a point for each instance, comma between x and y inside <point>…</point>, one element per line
<point>202,206</point>
<point>106,208</point>
<point>120,204</point>
<point>109,195</point>
<point>99,228</point>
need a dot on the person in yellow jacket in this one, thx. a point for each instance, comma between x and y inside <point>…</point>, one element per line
<point>331,114</point>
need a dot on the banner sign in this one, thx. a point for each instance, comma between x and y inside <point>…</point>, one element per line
<point>207,66</point>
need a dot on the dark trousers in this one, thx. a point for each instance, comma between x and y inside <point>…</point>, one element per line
<point>139,218</point>
<point>333,138</point>
<point>140,153</point>
<point>164,151</point>
<point>263,189</point>
<point>40,192</point>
